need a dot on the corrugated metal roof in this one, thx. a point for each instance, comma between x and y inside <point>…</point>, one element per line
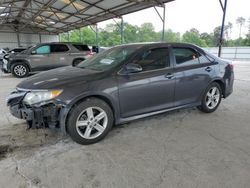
<point>57,16</point>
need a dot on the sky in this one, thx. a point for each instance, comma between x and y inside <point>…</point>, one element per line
<point>182,15</point>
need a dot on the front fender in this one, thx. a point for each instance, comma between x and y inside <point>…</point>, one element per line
<point>18,61</point>
<point>64,112</point>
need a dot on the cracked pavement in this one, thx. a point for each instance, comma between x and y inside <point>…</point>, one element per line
<point>184,148</point>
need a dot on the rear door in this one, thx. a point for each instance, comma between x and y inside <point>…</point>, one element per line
<point>60,55</point>
<point>150,90</point>
<point>193,72</point>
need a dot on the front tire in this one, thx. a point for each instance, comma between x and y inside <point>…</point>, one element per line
<point>20,70</point>
<point>211,98</point>
<point>90,121</point>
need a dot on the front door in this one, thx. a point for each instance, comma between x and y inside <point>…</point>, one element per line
<point>150,90</point>
<point>41,60</point>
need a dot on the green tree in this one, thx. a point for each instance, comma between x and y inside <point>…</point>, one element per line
<point>131,33</point>
<point>147,33</point>
<point>193,37</point>
<point>208,38</point>
<point>240,21</point>
<point>171,36</point>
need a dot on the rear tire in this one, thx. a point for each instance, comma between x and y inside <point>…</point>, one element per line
<point>211,98</point>
<point>90,121</point>
<point>20,70</point>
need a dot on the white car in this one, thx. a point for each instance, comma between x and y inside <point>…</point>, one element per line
<point>2,53</point>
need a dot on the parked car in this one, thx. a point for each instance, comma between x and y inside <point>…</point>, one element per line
<point>2,53</point>
<point>9,54</point>
<point>17,50</point>
<point>46,56</point>
<point>121,84</point>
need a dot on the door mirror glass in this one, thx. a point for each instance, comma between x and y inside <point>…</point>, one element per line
<point>33,52</point>
<point>133,68</point>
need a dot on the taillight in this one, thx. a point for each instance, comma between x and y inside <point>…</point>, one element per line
<point>90,53</point>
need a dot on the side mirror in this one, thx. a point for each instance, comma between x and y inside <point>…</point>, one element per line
<point>33,52</point>
<point>133,68</point>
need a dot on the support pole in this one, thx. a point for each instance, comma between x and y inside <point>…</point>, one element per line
<point>163,24</point>
<point>18,38</point>
<point>68,35</point>
<point>80,32</point>
<point>122,31</point>
<point>96,37</point>
<point>121,27</point>
<point>40,38</point>
<point>224,9</point>
<point>163,20</point>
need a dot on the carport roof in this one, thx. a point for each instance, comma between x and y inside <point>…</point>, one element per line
<point>57,16</point>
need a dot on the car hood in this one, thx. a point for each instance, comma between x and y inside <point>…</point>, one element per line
<point>60,78</point>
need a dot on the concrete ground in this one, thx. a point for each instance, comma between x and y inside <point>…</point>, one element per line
<point>184,148</point>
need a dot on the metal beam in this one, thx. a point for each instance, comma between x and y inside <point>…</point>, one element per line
<point>162,19</point>
<point>25,5</point>
<point>221,40</point>
<point>47,5</point>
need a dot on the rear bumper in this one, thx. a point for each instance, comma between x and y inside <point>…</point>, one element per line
<point>229,85</point>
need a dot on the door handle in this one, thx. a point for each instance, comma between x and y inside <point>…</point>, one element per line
<point>208,69</point>
<point>169,75</point>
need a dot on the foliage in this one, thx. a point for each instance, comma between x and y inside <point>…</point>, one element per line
<point>111,35</point>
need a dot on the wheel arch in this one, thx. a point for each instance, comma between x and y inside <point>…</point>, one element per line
<point>66,111</point>
<point>20,61</point>
<point>78,58</point>
<point>221,84</point>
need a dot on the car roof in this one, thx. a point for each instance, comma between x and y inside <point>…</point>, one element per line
<point>72,43</point>
<point>160,43</point>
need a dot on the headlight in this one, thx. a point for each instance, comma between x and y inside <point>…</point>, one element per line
<point>35,97</point>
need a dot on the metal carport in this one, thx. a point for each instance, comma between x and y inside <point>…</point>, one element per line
<point>58,16</point>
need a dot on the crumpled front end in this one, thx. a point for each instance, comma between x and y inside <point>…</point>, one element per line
<point>37,116</point>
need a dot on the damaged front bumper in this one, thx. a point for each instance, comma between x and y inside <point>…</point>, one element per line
<point>49,114</point>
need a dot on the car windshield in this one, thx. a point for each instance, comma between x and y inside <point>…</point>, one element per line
<point>108,59</point>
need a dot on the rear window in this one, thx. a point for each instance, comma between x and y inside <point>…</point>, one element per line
<point>59,48</point>
<point>81,47</point>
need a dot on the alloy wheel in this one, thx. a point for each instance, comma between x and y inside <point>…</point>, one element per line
<point>91,122</point>
<point>212,97</point>
<point>20,70</point>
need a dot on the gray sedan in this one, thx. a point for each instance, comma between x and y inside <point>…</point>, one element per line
<point>121,84</point>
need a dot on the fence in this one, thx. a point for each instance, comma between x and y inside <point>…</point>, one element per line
<point>233,53</point>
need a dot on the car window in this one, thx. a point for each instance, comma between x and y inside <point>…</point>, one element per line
<point>108,59</point>
<point>153,59</point>
<point>185,56</point>
<point>203,59</point>
<point>43,49</point>
<point>81,47</point>
<point>59,48</point>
